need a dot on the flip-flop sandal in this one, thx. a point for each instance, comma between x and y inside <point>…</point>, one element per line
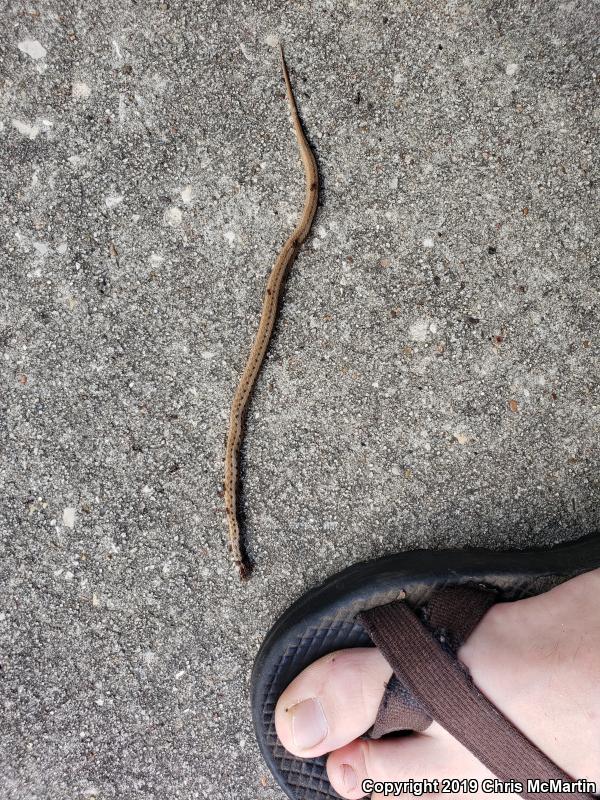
<point>418,608</point>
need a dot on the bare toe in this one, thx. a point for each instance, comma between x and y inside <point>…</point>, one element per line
<point>332,702</point>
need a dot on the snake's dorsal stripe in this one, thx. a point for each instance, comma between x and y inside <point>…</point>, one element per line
<point>263,335</point>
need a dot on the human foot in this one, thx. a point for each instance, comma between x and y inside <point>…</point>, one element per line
<point>537,660</point>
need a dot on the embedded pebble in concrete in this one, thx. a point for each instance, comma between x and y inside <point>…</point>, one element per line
<point>31,131</point>
<point>41,248</point>
<point>430,383</point>
<point>173,216</point>
<point>419,330</point>
<point>187,194</point>
<point>81,90</point>
<point>32,48</point>
<point>113,200</point>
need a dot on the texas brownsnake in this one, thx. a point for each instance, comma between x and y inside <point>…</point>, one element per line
<point>265,328</point>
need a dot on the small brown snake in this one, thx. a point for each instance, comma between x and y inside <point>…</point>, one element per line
<point>263,335</point>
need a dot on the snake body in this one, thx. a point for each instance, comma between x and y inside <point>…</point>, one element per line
<point>261,342</point>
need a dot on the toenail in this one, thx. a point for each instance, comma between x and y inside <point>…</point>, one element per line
<point>349,779</point>
<point>309,726</point>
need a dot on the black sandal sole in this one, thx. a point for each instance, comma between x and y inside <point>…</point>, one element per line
<point>322,621</point>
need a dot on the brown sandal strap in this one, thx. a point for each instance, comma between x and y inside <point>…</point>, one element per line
<point>452,614</point>
<point>446,691</point>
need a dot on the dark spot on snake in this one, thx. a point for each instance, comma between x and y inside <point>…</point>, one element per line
<point>313,186</point>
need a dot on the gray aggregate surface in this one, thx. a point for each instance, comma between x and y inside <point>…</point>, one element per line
<point>432,381</point>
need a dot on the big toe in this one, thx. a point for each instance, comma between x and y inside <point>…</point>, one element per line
<point>332,702</point>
